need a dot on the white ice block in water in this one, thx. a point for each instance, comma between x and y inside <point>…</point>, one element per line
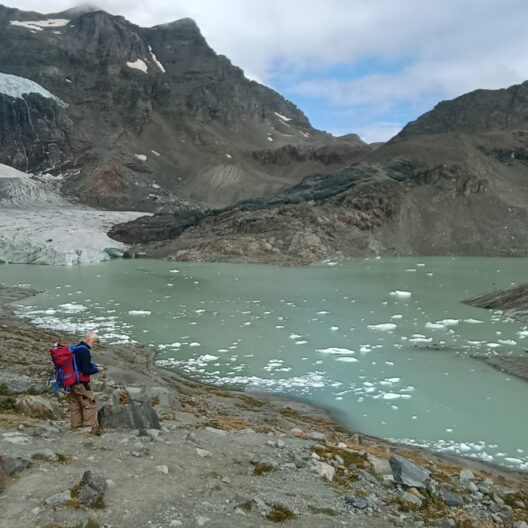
<point>400,294</point>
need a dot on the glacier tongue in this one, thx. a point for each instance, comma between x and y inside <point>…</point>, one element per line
<point>17,87</point>
<point>39,226</point>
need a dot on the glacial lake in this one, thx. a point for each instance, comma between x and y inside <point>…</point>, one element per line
<point>386,343</point>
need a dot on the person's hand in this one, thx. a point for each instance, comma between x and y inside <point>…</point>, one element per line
<point>101,370</point>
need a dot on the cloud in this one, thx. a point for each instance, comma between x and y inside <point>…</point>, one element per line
<point>426,51</point>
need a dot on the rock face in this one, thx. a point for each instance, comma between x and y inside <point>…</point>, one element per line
<point>129,416</point>
<point>512,301</point>
<point>443,186</point>
<point>147,118</point>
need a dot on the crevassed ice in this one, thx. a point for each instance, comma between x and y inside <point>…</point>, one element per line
<point>17,87</point>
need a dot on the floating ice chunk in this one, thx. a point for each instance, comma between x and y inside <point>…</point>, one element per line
<point>195,344</point>
<point>334,328</point>
<point>174,271</point>
<point>156,61</point>
<point>323,312</point>
<point>473,321</point>
<point>493,345</point>
<point>138,64</point>
<point>435,326</point>
<point>141,157</point>
<point>508,342</point>
<point>301,342</point>
<point>270,138</point>
<point>400,294</point>
<point>207,358</point>
<point>347,359</point>
<point>522,334</point>
<point>391,396</point>
<point>39,25</point>
<point>72,308</point>
<point>365,348</point>
<point>383,327</point>
<point>295,336</point>
<point>421,339</point>
<point>139,312</point>
<point>449,322</point>
<point>228,156</point>
<point>397,316</point>
<point>156,153</point>
<point>333,351</point>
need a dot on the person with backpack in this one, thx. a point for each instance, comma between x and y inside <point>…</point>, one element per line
<point>83,405</point>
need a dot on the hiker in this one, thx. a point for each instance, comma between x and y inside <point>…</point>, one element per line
<point>83,405</point>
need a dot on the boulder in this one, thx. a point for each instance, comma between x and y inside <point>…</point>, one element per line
<point>408,473</point>
<point>466,474</point>
<point>91,490</point>
<point>357,502</point>
<point>323,470</point>
<point>59,499</point>
<point>315,435</point>
<point>37,407</point>
<point>452,499</point>
<point>412,499</point>
<point>14,465</point>
<point>134,415</point>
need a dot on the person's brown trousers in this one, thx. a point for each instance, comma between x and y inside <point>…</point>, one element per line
<point>83,407</point>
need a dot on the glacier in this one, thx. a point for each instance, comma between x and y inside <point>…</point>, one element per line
<point>39,226</point>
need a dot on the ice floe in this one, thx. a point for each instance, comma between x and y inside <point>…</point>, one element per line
<point>139,312</point>
<point>400,294</point>
<point>383,327</point>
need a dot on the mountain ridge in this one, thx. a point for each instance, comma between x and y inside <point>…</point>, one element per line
<point>440,187</point>
<point>154,115</point>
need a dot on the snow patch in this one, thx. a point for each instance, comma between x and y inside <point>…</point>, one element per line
<point>138,64</point>
<point>282,117</point>
<point>156,61</point>
<point>39,25</point>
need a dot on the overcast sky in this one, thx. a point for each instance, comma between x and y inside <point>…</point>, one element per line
<point>366,66</point>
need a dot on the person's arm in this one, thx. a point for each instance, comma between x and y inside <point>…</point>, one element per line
<point>84,362</point>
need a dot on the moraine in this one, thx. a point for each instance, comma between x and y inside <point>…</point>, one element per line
<point>385,342</point>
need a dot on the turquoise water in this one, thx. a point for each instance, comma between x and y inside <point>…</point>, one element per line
<point>385,342</point>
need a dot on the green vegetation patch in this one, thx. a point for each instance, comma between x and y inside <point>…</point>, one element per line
<point>280,513</point>
<point>262,467</point>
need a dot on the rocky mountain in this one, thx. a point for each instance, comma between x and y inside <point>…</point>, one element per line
<point>147,118</point>
<point>453,182</point>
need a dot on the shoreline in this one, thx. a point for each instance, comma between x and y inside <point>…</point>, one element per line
<point>311,409</point>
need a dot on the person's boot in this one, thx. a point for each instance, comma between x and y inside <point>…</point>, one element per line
<point>96,430</point>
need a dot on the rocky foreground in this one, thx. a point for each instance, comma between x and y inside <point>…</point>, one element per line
<point>177,453</point>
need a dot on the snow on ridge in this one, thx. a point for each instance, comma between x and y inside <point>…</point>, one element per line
<point>138,64</point>
<point>155,59</point>
<point>17,87</point>
<point>39,25</point>
<point>282,117</point>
